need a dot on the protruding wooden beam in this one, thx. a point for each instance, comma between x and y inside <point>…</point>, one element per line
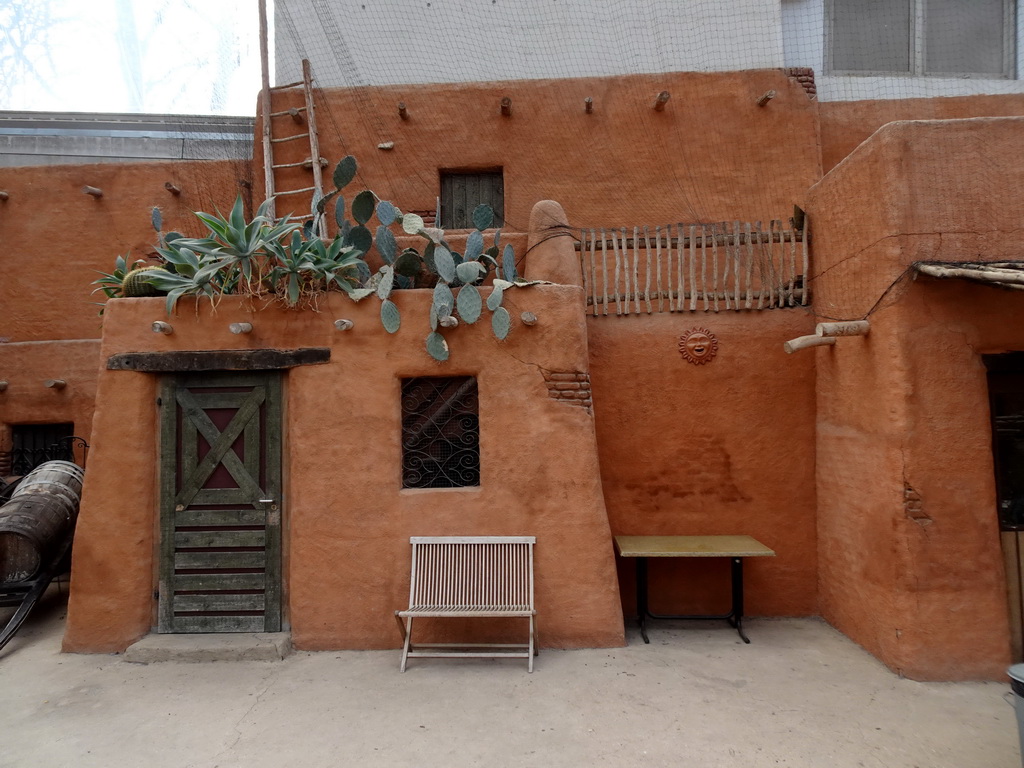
<point>172,188</point>
<point>506,106</point>
<point>219,360</point>
<point>846,328</point>
<point>403,111</point>
<point>344,325</point>
<point>240,328</point>
<point>296,115</point>
<point>95,192</point>
<point>449,322</point>
<point>588,105</point>
<point>803,342</point>
<point>55,383</point>
<point>160,326</point>
<point>766,97</point>
<point>3,385</point>
<point>4,195</point>
<point>661,101</point>
<point>528,318</point>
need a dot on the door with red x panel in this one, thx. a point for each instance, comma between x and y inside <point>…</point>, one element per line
<point>220,503</point>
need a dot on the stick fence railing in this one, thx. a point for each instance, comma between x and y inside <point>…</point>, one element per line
<point>694,267</point>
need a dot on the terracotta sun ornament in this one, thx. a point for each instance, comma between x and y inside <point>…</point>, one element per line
<point>698,346</point>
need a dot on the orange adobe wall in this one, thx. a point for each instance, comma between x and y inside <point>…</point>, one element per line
<point>61,238</point>
<point>56,240</point>
<point>28,365</point>
<point>845,124</point>
<point>711,155</point>
<point>903,412</point>
<point>346,517</point>
<point>721,448</point>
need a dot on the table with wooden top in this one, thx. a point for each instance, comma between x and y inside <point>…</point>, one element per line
<point>734,547</point>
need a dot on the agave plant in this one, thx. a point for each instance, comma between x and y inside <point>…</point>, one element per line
<point>237,244</point>
<point>111,282</point>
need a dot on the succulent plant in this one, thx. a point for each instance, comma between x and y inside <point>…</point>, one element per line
<point>136,282</point>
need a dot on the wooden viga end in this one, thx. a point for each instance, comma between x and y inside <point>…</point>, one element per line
<point>727,266</point>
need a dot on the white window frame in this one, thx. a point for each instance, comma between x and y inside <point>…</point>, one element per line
<point>918,53</point>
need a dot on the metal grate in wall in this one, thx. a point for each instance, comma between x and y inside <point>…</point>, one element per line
<point>440,432</point>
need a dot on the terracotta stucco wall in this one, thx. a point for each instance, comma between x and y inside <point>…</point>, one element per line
<point>55,241</point>
<point>55,238</point>
<point>694,462</point>
<point>711,155</point>
<point>845,124</point>
<point>902,413</point>
<point>347,519</point>
<point>721,448</point>
<point>26,366</point>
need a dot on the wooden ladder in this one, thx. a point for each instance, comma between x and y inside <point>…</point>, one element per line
<point>305,115</point>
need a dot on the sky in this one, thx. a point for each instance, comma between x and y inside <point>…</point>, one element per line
<point>159,56</point>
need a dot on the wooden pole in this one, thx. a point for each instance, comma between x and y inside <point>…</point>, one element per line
<point>314,141</point>
<point>268,157</point>
<point>848,328</point>
<point>803,342</point>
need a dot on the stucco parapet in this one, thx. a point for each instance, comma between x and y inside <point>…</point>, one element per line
<point>556,342</point>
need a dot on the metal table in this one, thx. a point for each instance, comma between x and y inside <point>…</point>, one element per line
<point>734,547</point>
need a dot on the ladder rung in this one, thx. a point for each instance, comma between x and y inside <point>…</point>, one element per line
<point>293,165</point>
<point>288,112</point>
<point>290,138</point>
<point>295,191</point>
<point>288,85</point>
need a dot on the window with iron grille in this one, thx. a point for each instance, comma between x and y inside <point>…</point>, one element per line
<point>951,38</point>
<point>462,192</point>
<point>33,444</point>
<point>440,432</point>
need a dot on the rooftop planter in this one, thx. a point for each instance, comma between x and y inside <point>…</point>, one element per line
<point>290,263</point>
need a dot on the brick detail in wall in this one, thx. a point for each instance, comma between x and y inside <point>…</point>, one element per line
<point>804,76</point>
<point>569,387</point>
<point>913,506</point>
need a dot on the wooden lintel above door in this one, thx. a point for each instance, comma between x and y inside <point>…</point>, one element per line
<point>194,361</point>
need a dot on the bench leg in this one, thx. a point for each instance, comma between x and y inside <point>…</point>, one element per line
<point>529,665</point>
<point>407,640</point>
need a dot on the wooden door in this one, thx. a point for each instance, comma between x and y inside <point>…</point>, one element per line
<point>220,518</point>
<point>1006,402</point>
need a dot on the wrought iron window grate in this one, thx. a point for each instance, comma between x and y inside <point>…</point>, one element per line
<point>34,444</point>
<point>440,432</point>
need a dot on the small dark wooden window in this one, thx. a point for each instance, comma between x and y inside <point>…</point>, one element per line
<point>440,432</point>
<point>33,444</point>
<point>463,192</point>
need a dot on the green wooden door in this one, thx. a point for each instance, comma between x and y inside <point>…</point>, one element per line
<point>220,500</point>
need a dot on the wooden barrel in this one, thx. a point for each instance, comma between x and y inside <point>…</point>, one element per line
<point>38,517</point>
<point>32,526</point>
<point>57,477</point>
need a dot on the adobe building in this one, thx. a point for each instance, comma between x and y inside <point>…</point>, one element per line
<point>866,464</point>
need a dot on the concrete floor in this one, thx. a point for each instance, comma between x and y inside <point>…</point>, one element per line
<point>800,695</point>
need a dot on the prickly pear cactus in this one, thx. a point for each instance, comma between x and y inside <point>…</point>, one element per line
<point>134,283</point>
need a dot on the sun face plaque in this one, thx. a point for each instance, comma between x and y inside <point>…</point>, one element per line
<point>698,346</point>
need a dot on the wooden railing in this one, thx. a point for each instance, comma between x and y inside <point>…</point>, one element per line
<point>695,267</point>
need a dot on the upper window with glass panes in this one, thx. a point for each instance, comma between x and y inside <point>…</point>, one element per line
<point>940,38</point>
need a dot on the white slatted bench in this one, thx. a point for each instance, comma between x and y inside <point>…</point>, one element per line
<point>475,576</point>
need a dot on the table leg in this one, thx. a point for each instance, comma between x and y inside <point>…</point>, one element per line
<point>737,597</point>
<point>641,596</point>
